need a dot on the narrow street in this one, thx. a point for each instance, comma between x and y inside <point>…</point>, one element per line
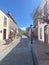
<point>20,55</point>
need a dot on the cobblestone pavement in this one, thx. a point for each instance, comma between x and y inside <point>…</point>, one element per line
<point>41,51</point>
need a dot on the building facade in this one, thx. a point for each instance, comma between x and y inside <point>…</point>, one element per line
<point>36,23</point>
<point>43,25</point>
<point>8,26</point>
<point>28,32</point>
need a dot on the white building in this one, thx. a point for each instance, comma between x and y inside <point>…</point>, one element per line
<point>42,24</point>
<point>7,26</point>
<point>41,21</point>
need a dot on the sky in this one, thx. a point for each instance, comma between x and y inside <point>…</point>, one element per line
<point>21,10</point>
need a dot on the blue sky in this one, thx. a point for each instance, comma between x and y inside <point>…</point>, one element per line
<point>20,10</point>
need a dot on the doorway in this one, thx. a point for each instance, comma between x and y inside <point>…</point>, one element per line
<point>4,34</point>
<point>45,34</point>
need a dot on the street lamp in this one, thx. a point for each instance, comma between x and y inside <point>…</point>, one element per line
<point>31,33</point>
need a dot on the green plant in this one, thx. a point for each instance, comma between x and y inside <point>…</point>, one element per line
<point>19,34</point>
<point>10,36</point>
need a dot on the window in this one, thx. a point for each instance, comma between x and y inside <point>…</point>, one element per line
<point>40,33</point>
<point>5,21</point>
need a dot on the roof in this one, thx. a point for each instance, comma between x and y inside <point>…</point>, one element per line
<point>9,15</point>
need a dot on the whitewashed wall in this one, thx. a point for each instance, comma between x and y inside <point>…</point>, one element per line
<point>2,25</point>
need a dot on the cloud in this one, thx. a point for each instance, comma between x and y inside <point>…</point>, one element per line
<point>23,28</point>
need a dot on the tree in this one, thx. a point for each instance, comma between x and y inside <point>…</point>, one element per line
<point>19,32</point>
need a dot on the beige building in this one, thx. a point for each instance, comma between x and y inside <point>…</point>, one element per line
<point>8,26</point>
<point>43,21</point>
<point>28,31</point>
<point>36,23</point>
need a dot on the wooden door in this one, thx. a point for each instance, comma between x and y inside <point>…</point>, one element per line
<point>4,34</point>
